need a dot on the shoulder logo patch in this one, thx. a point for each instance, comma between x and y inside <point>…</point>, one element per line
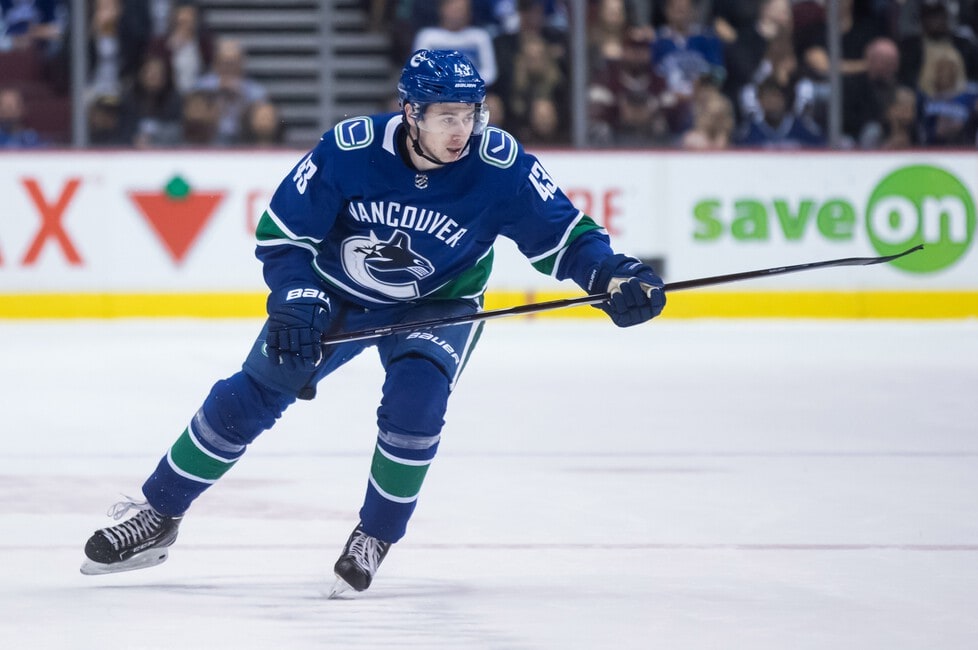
<point>498,147</point>
<point>354,133</point>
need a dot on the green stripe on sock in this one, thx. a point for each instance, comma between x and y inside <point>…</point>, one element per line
<point>397,479</point>
<point>190,459</point>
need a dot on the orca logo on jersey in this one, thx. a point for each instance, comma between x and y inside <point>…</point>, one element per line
<point>389,267</point>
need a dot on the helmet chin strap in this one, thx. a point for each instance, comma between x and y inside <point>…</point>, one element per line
<point>416,145</point>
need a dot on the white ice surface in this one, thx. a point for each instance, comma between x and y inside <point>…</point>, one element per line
<point>684,485</point>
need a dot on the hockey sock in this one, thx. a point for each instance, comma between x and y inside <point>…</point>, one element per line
<point>200,454</point>
<point>410,418</point>
<point>396,476</point>
<point>193,463</point>
<point>234,413</point>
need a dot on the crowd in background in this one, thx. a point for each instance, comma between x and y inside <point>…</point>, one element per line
<point>156,76</point>
<point>708,74</point>
<point>692,74</point>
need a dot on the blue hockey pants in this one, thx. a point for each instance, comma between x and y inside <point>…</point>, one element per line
<point>421,369</point>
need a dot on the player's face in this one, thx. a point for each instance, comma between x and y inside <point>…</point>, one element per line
<point>444,129</point>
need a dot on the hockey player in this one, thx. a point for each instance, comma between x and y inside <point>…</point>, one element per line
<point>389,219</point>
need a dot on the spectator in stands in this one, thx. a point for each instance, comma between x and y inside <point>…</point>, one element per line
<point>543,125</point>
<point>935,25</point>
<point>497,16</point>
<point>13,133</point>
<point>116,46</point>
<point>625,109</point>
<point>901,128</point>
<point>713,121</point>
<point>643,16</point>
<point>866,95</point>
<point>685,52</point>
<point>401,20</point>
<point>947,107</point>
<point>115,51</point>
<point>536,76</point>
<point>199,119</point>
<point>34,24</point>
<point>233,91</point>
<point>424,13</point>
<point>104,49</point>
<point>858,25</point>
<point>777,127</point>
<point>187,44</point>
<point>781,65</point>
<point>262,126</point>
<point>532,25</point>
<point>606,34</point>
<point>902,19</point>
<point>455,31</point>
<point>158,14</point>
<point>756,50</point>
<point>732,18</point>
<point>104,122</point>
<point>150,108</point>
<point>403,23</point>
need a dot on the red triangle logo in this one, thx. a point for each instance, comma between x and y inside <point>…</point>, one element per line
<point>177,221</point>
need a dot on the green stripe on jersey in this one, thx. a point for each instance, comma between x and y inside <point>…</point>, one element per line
<point>268,230</point>
<point>546,265</point>
<point>195,463</point>
<point>397,477</point>
<point>472,282</point>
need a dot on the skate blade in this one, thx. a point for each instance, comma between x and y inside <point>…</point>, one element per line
<point>143,560</point>
<point>339,588</point>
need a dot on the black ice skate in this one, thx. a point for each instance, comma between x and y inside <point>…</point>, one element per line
<point>359,561</point>
<point>139,542</point>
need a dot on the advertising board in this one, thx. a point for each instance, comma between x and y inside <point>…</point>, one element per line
<point>172,232</point>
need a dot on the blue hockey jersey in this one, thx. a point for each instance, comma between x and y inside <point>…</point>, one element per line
<point>352,213</point>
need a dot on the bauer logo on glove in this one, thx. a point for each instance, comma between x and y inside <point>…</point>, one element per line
<point>297,320</point>
<point>296,294</point>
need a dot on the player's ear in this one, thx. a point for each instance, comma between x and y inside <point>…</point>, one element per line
<point>408,113</point>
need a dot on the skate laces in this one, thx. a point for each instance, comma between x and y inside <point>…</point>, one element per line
<point>119,510</point>
<point>143,525</point>
<point>367,551</point>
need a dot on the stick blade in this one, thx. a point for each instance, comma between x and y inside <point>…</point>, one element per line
<point>890,258</point>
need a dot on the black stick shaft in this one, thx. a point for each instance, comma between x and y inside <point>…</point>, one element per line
<point>592,299</point>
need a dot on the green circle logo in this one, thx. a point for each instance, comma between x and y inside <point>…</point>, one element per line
<point>925,205</point>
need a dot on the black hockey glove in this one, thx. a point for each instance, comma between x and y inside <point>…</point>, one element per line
<point>297,320</point>
<point>636,291</point>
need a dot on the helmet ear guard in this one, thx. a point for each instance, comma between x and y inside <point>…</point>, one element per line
<point>481,118</point>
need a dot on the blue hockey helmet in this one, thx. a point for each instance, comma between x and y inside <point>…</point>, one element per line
<point>432,76</point>
<point>442,76</point>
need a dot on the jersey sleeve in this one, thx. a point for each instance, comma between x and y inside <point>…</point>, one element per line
<point>557,238</point>
<point>299,216</point>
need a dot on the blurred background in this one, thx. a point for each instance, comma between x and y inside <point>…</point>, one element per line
<point>689,74</point>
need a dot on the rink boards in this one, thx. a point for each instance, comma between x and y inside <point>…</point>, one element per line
<point>117,234</point>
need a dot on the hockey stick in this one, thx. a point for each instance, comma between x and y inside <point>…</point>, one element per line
<point>535,307</point>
